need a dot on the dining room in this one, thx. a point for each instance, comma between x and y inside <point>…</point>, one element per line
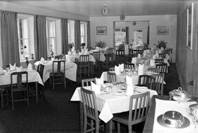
<point>94,40</point>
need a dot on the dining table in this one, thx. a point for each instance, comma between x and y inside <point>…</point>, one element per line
<point>33,76</point>
<point>110,102</point>
<point>161,104</point>
<point>70,69</point>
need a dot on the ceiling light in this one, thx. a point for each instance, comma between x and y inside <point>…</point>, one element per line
<point>122,16</point>
<point>105,10</point>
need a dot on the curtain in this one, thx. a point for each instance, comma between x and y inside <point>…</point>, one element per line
<point>148,35</point>
<point>40,37</point>
<point>127,35</point>
<point>9,38</point>
<point>64,32</point>
<point>88,35</point>
<point>77,35</point>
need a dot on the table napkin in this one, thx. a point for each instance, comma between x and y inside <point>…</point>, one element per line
<point>166,105</point>
<point>130,86</point>
<point>117,70</point>
<point>139,55</point>
<point>134,60</point>
<point>141,69</point>
<point>152,62</point>
<point>95,88</point>
<point>121,67</point>
<point>99,81</point>
<point>1,70</point>
<point>29,66</point>
<point>12,68</point>
<point>42,60</point>
<point>18,69</point>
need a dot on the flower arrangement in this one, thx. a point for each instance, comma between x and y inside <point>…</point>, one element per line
<point>161,44</point>
<point>100,44</point>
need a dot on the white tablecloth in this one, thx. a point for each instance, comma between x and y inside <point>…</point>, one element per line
<point>164,105</point>
<point>111,103</point>
<point>70,70</point>
<point>33,76</point>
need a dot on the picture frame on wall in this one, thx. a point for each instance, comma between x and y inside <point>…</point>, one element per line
<point>101,30</point>
<point>189,28</point>
<point>162,30</point>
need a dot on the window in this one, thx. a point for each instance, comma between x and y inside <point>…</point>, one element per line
<point>83,32</point>
<point>53,34</point>
<point>25,36</point>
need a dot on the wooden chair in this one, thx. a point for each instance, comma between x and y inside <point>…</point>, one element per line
<point>83,65</point>
<point>90,111</point>
<point>87,82</point>
<point>138,110</point>
<point>97,57</point>
<point>120,52</point>
<point>57,76</point>
<point>152,69</point>
<point>109,56</point>
<point>158,84</point>
<point>135,52</point>
<point>129,66</point>
<point>145,80</point>
<point>159,60</point>
<point>18,86</point>
<point>162,55</point>
<point>111,77</point>
<point>163,67</point>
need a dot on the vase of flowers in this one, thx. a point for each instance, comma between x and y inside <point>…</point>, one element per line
<point>161,44</point>
<point>100,44</point>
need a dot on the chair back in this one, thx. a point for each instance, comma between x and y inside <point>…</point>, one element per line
<point>159,60</point>
<point>19,79</point>
<point>111,77</point>
<point>138,107</point>
<point>112,69</point>
<point>162,55</point>
<point>58,66</point>
<point>87,82</point>
<point>152,69</point>
<point>89,104</point>
<point>40,69</point>
<point>84,59</point>
<point>135,52</point>
<point>128,65</point>
<point>158,84</point>
<point>120,52</point>
<point>146,80</point>
<point>163,67</point>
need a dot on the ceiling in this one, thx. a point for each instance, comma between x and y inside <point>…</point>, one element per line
<point>93,8</point>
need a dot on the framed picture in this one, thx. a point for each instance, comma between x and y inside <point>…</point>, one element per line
<point>189,24</point>
<point>162,30</point>
<point>101,30</point>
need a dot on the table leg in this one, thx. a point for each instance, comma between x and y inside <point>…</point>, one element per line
<point>109,126</point>
<point>36,92</point>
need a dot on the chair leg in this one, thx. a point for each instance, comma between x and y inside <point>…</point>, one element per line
<point>12,100</point>
<point>27,98</point>
<point>64,82</point>
<point>118,127</point>
<point>1,98</point>
<point>130,129</point>
<point>53,82</point>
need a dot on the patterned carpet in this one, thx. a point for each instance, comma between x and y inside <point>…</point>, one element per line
<point>55,113</point>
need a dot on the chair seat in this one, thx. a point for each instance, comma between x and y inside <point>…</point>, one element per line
<point>121,116</point>
<point>57,74</point>
<point>19,89</point>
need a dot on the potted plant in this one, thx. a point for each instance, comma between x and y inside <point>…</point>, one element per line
<point>100,44</point>
<point>161,44</point>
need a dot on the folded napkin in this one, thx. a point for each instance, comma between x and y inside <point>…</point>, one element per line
<point>12,68</point>
<point>121,67</point>
<point>95,88</point>
<point>141,69</point>
<point>130,86</point>
<point>139,55</point>
<point>1,71</point>
<point>29,67</point>
<point>152,62</point>
<point>18,69</point>
<point>99,81</point>
<point>117,70</point>
<point>42,60</point>
<point>69,53</point>
<point>134,60</point>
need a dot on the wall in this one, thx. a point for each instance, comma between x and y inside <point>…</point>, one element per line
<point>187,59</point>
<point>165,20</point>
